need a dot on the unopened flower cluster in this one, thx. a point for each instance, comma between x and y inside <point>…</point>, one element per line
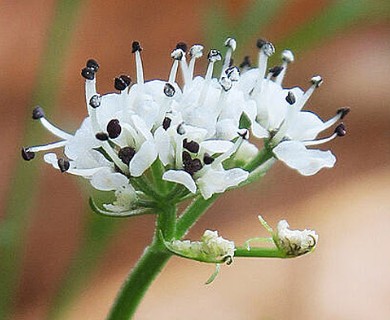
<point>189,131</point>
<point>211,248</point>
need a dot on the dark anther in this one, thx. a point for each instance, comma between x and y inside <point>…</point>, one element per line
<point>191,166</point>
<point>343,112</point>
<point>88,73</point>
<point>95,101</point>
<point>93,65</point>
<point>166,123</point>
<point>228,260</point>
<point>246,63</point>
<point>214,55</point>
<point>38,113</point>
<point>114,129</point>
<point>341,130</point>
<point>122,82</point>
<point>243,134</point>
<point>169,90</point>
<point>290,98</point>
<point>182,46</point>
<point>186,157</point>
<point>63,164</point>
<point>191,146</point>
<point>27,155</point>
<point>180,129</point>
<point>135,46</point>
<point>207,159</point>
<point>102,136</point>
<point>276,70</point>
<point>126,154</point>
<point>261,42</point>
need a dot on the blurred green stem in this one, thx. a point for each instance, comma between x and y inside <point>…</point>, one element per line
<point>22,193</point>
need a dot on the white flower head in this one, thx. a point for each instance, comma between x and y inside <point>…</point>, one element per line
<point>212,248</point>
<point>192,129</point>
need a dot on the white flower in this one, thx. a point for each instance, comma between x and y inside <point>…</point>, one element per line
<point>192,129</point>
<point>280,119</point>
<point>211,248</point>
<point>294,242</point>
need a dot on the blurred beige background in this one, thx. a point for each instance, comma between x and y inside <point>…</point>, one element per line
<point>347,277</point>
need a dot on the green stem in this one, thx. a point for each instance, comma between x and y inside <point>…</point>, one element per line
<point>259,253</point>
<point>146,270</point>
<point>264,155</point>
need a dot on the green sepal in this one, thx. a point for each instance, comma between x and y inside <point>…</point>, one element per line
<point>122,214</point>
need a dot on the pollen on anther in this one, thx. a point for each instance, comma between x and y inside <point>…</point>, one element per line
<point>93,65</point>
<point>95,101</point>
<point>166,123</point>
<point>343,112</point>
<point>38,113</point>
<point>114,129</point>
<point>169,90</point>
<point>317,81</point>
<point>102,136</point>
<point>183,46</point>
<point>290,98</point>
<point>135,46</point>
<point>341,130</point>
<point>126,154</point>
<point>27,155</point>
<point>214,55</point>
<point>63,164</point>
<point>122,82</point>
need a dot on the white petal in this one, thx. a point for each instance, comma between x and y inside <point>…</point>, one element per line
<point>164,146</point>
<point>182,177</point>
<point>306,161</point>
<point>304,125</point>
<point>258,131</point>
<point>216,146</point>
<point>143,158</point>
<point>106,180</point>
<point>217,181</point>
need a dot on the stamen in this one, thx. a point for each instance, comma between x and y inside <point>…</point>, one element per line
<point>341,130</point>
<point>63,164</point>
<point>93,65</point>
<point>122,82</point>
<point>231,45</point>
<point>95,101</point>
<point>266,49</point>
<point>233,73</point>
<point>191,146</point>
<point>126,154</point>
<point>181,49</point>
<point>102,136</point>
<point>207,159</point>
<point>27,155</point>
<point>316,82</point>
<point>46,147</point>
<point>275,71</point>
<point>136,49</point>
<point>343,112</point>
<point>190,165</point>
<point>114,129</point>
<point>166,123</point>
<point>287,58</point>
<point>213,56</point>
<point>88,73</point>
<point>196,52</point>
<point>169,90</point>
<point>177,55</point>
<point>290,98</point>
<point>38,114</point>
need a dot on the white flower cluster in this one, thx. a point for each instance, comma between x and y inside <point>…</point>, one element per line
<point>190,129</point>
<point>211,248</point>
<point>294,242</point>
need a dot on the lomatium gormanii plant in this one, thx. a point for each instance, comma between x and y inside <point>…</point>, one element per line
<point>156,144</point>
